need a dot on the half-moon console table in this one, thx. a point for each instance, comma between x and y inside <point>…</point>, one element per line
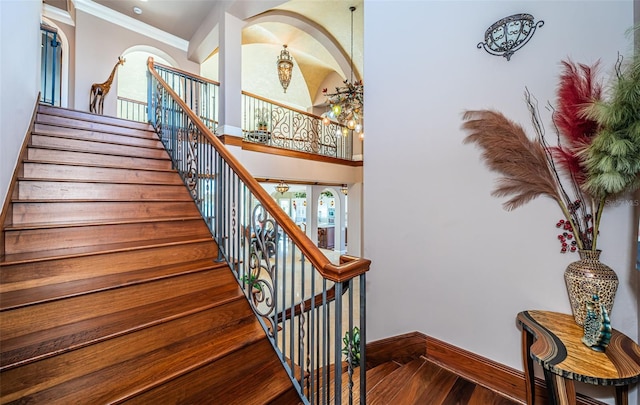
<point>553,340</point>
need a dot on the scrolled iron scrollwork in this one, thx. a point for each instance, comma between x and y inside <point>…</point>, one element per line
<point>262,266</point>
<point>191,176</point>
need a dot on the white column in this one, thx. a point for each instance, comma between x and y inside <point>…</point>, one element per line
<point>354,225</point>
<point>341,221</point>
<point>312,213</point>
<point>229,65</point>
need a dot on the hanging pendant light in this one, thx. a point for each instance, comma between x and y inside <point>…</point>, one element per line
<point>347,101</point>
<point>285,67</point>
<point>282,187</point>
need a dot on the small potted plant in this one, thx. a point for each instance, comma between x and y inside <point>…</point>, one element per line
<point>262,123</point>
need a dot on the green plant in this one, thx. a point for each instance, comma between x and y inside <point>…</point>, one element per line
<point>251,281</point>
<point>351,344</point>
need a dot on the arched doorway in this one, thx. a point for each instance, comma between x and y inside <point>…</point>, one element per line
<point>132,81</point>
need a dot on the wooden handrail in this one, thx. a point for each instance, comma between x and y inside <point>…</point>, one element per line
<point>308,114</point>
<point>184,72</point>
<point>348,269</point>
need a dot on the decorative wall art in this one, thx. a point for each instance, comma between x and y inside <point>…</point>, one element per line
<point>509,34</point>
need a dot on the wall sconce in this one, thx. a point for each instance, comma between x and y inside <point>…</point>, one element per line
<point>285,67</point>
<point>282,187</point>
<point>509,34</point>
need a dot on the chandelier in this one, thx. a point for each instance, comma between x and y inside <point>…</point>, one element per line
<point>282,187</point>
<point>345,105</point>
<point>285,67</point>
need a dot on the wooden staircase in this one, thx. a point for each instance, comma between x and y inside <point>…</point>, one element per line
<point>109,287</point>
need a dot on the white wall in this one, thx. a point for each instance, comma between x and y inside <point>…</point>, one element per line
<point>19,79</point>
<point>98,45</point>
<point>447,259</point>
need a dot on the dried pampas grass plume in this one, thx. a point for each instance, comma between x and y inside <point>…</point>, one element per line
<point>507,150</point>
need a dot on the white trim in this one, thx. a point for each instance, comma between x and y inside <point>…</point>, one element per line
<point>54,13</point>
<point>132,24</point>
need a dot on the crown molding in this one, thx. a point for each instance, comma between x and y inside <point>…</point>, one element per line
<point>57,14</point>
<point>129,23</point>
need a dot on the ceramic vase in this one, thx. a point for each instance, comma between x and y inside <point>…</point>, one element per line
<point>586,277</point>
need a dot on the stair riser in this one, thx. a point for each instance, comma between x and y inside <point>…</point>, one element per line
<point>87,116</point>
<point>79,173</point>
<point>29,275</point>
<point>61,156</point>
<point>49,190</point>
<point>163,350</point>
<point>88,125</point>
<point>150,141</point>
<point>34,240</point>
<point>43,212</point>
<point>80,145</point>
<point>23,321</point>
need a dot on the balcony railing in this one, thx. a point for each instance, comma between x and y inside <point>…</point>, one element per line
<point>133,110</point>
<point>270,123</point>
<point>263,121</point>
<point>313,311</point>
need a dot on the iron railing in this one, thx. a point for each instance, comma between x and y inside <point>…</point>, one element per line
<point>263,121</point>
<point>51,64</point>
<point>312,310</point>
<point>274,124</point>
<point>134,110</point>
<point>200,94</point>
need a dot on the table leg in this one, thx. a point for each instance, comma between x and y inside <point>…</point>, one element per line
<point>561,391</point>
<point>622,395</point>
<point>529,380</point>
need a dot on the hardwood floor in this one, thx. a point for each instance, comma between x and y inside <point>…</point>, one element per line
<point>422,382</point>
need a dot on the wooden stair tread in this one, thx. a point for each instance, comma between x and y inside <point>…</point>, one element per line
<point>23,342</point>
<point>96,165</point>
<point>74,123</point>
<point>69,237</point>
<point>121,367</point>
<point>90,250</point>
<point>104,160</point>
<point>148,138</point>
<point>35,170</point>
<point>26,212</point>
<point>35,295</point>
<point>82,145</point>
<point>93,223</point>
<point>87,116</point>
<point>83,190</point>
<point>226,381</point>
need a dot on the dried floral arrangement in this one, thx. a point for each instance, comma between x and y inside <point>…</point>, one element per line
<point>595,157</point>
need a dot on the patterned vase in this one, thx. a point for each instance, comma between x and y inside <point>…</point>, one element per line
<point>586,277</point>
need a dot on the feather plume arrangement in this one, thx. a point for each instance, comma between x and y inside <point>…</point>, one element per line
<point>596,155</point>
<point>507,150</point>
<point>578,88</point>
<point>613,158</point>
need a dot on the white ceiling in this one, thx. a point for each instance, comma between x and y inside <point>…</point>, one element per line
<point>317,32</point>
<point>183,18</point>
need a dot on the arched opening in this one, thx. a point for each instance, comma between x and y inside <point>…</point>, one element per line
<point>54,64</point>
<point>132,81</point>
